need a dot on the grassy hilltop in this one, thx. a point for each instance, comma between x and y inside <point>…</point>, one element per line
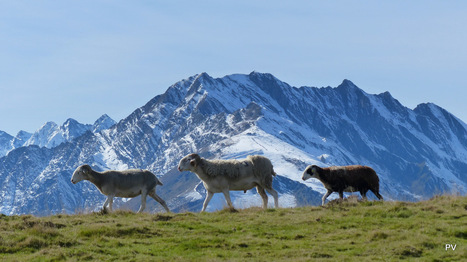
<point>349,231</point>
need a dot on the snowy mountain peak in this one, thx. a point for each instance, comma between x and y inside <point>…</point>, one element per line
<point>427,108</point>
<point>102,123</point>
<point>70,122</point>
<point>48,135</point>
<point>347,88</point>
<point>21,138</point>
<point>8,142</point>
<point>51,135</point>
<point>48,126</point>
<point>5,135</point>
<point>72,129</point>
<point>204,76</point>
<point>259,75</point>
<point>5,143</point>
<point>348,83</point>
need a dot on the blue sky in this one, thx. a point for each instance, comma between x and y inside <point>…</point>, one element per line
<point>81,59</point>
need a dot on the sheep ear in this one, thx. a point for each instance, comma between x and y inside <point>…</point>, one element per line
<point>193,163</point>
<point>313,170</point>
<point>85,169</point>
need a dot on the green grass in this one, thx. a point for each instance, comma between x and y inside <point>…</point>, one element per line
<point>348,231</point>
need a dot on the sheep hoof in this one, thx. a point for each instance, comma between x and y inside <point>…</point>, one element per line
<point>103,211</point>
<point>231,209</point>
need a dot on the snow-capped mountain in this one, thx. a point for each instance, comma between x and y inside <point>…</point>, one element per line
<point>417,153</point>
<point>102,123</point>
<point>51,135</point>
<point>20,139</point>
<point>5,143</point>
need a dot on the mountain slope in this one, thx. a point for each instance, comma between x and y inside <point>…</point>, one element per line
<point>417,153</point>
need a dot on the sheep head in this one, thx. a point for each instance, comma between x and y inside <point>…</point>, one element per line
<point>189,162</point>
<point>311,172</point>
<point>81,173</point>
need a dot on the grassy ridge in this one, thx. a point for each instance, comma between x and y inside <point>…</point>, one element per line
<point>349,231</point>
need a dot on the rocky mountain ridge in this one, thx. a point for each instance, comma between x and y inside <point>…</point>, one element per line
<point>417,153</point>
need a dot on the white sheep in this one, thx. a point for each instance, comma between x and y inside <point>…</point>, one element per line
<point>225,175</point>
<point>128,183</point>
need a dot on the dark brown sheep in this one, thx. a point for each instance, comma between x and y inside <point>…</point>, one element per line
<point>342,179</point>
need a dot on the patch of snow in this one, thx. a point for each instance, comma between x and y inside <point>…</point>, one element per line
<point>106,157</point>
<point>250,199</point>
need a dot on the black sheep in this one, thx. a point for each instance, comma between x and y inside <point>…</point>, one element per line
<point>345,179</point>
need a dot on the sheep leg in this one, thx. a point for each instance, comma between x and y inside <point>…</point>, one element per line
<point>106,202</point>
<point>377,194</point>
<point>109,201</point>
<point>363,193</point>
<point>227,198</point>
<point>263,195</point>
<point>325,196</point>
<point>143,202</point>
<point>341,196</point>
<point>274,195</point>
<point>160,200</point>
<point>206,201</point>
